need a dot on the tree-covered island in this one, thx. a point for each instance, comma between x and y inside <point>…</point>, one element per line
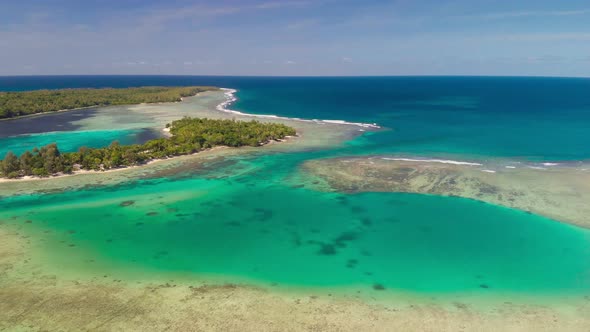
<point>15,104</point>
<point>188,136</point>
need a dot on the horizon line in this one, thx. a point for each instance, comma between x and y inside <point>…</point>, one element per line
<point>289,76</point>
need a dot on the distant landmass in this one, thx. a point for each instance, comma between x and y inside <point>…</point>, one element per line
<point>16,104</point>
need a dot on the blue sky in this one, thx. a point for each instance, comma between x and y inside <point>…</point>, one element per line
<point>295,37</point>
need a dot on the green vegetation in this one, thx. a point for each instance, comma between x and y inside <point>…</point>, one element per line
<point>189,135</point>
<point>14,104</point>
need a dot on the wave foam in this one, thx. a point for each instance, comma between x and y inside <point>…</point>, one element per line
<point>231,98</point>
<point>441,161</point>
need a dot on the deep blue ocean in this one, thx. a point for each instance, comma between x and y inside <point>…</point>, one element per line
<point>534,119</point>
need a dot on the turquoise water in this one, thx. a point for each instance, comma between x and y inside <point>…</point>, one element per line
<point>249,218</point>
<point>67,141</point>
<point>524,118</point>
<point>530,119</point>
<point>243,221</point>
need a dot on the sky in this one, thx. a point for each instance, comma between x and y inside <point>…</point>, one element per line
<point>295,37</point>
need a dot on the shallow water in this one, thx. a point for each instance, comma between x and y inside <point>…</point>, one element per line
<point>250,217</point>
<point>92,127</point>
<point>245,221</point>
<point>72,140</point>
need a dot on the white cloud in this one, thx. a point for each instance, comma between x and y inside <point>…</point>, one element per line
<point>157,18</point>
<point>546,58</point>
<point>545,37</point>
<point>281,4</point>
<point>520,14</point>
<point>302,24</point>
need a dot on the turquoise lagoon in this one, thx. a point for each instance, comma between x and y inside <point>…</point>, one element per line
<point>246,220</point>
<point>68,141</point>
<point>251,218</point>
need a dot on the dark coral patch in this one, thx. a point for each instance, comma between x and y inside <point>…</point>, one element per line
<point>327,249</point>
<point>296,239</point>
<point>151,214</point>
<point>378,287</point>
<point>351,263</point>
<point>366,253</point>
<point>366,222</point>
<point>340,244</point>
<point>262,214</point>
<point>346,237</point>
<point>358,209</point>
<point>342,200</point>
<point>127,203</point>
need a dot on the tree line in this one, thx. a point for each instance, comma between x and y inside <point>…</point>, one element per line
<point>14,104</point>
<point>188,136</point>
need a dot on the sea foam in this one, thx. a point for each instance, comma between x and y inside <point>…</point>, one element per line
<point>441,161</point>
<point>231,98</point>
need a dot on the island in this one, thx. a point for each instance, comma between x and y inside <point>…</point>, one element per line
<point>187,136</point>
<point>17,104</point>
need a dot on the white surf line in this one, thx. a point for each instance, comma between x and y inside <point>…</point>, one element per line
<point>231,98</point>
<point>441,161</point>
<point>536,167</point>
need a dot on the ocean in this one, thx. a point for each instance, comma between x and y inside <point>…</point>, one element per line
<point>534,119</point>
<point>246,219</point>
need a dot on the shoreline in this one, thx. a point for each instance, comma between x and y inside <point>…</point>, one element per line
<point>33,297</point>
<point>231,98</point>
<point>112,170</point>
<point>20,117</point>
<point>147,163</point>
<point>221,107</point>
<point>95,106</point>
